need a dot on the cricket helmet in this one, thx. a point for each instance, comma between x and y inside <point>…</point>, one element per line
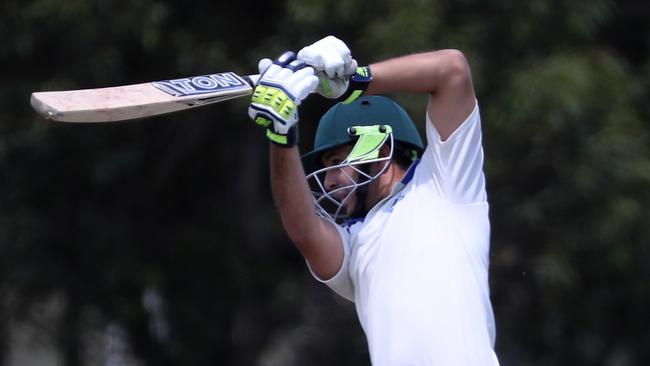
<point>368,123</point>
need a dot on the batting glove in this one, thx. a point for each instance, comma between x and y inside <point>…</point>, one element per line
<point>284,84</point>
<point>338,74</point>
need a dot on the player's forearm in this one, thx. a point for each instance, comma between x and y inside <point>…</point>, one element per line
<point>427,72</point>
<point>317,239</point>
<point>291,193</point>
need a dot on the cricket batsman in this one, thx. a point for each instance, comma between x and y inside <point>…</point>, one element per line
<point>400,229</point>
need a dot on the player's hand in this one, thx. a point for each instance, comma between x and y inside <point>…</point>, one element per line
<point>284,84</point>
<point>333,62</point>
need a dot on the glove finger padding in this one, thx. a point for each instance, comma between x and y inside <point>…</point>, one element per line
<point>350,68</point>
<point>272,72</point>
<point>282,76</point>
<point>334,65</point>
<point>304,82</point>
<point>348,64</point>
<point>330,55</point>
<point>264,64</point>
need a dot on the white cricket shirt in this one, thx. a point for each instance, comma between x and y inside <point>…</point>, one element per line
<point>417,266</point>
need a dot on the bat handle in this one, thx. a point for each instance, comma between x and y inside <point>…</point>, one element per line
<point>252,80</point>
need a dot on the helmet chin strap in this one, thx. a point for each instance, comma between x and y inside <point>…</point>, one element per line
<point>360,209</point>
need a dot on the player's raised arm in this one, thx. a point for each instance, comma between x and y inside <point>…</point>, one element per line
<point>283,85</point>
<point>444,74</point>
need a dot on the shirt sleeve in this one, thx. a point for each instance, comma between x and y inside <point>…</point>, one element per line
<point>455,166</point>
<point>341,282</point>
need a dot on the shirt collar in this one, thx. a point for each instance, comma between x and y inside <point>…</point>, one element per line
<point>406,179</point>
<point>409,173</point>
<point>398,187</point>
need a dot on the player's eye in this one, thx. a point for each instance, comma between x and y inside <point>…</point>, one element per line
<point>331,160</point>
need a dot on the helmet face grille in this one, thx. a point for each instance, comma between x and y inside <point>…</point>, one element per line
<point>336,204</point>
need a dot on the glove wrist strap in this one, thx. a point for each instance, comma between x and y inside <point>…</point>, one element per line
<point>288,140</point>
<point>358,84</point>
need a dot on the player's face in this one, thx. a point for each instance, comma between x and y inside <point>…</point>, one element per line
<point>377,189</point>
<point>337,178</point>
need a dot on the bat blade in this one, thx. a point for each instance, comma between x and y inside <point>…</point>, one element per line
<point>136,101</point>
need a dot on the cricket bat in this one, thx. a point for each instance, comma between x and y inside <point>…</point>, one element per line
<point>126,102</point>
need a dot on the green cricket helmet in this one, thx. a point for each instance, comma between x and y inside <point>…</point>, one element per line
<point>366,111</point>
<point>368,123</point>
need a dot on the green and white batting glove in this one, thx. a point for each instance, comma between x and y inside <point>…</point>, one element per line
<point>338,74</point>
<point>284,84</point>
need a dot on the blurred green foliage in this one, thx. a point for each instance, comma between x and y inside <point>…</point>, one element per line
<point>99,214</point>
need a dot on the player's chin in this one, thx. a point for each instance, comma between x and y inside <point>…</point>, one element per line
<point>349,205</point>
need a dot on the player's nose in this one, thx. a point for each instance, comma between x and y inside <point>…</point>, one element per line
<point>332,179</point>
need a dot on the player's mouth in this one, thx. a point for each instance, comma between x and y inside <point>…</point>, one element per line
<point>341,194</point>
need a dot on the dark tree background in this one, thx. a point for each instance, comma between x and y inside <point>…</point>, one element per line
<point>163,230</point>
